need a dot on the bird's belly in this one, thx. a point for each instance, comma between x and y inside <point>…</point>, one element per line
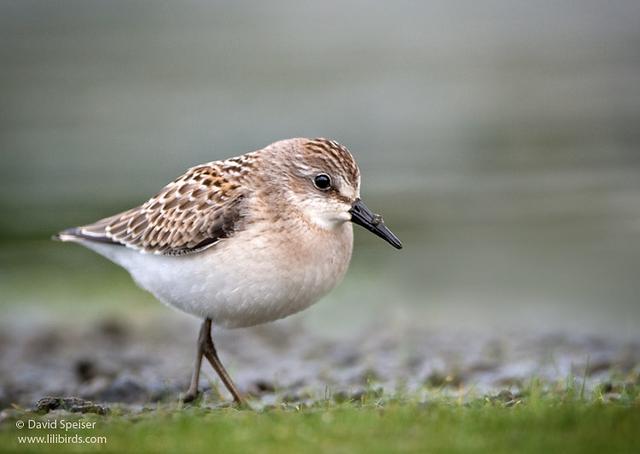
<point>238,296</point>
<point>239,284</point>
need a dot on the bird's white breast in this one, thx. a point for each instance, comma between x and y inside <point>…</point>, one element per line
<point>258,275</point>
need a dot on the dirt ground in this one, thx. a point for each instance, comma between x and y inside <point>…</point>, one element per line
<point>131,364</point>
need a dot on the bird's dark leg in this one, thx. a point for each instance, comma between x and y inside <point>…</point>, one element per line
<point>192,392</point>
<point>208,350</point>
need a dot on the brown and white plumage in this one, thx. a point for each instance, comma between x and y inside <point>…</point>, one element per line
<point>208,202</point>
<point>190,214</point>
<point>246,240</point>
<point>215,216</point>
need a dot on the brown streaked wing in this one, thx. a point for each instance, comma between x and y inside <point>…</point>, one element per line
<point>189,215</point>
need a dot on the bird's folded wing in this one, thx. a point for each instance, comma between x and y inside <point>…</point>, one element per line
<point>190,214</point>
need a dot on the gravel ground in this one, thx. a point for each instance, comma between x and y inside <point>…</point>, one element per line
<point>137,363</point>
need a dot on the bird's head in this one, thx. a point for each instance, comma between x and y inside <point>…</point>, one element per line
<point>321,178</point>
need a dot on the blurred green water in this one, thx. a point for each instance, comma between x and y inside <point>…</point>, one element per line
<point>500,141</point>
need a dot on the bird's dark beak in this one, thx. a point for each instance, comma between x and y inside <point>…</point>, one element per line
<point>362,215</point>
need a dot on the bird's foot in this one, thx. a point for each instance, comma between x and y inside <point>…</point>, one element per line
<point>242,405</point>
<point>189,396</point>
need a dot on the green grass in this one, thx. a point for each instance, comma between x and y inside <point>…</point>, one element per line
<point>536,423</point>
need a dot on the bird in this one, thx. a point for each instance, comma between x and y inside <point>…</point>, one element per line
<point>242,241</point>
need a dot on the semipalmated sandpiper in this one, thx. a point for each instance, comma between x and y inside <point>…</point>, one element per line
<point>242,241</point>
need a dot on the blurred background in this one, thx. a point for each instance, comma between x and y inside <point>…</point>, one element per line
<point>500,139</point>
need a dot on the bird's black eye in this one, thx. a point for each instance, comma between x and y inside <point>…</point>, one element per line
<point>322,181</point>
